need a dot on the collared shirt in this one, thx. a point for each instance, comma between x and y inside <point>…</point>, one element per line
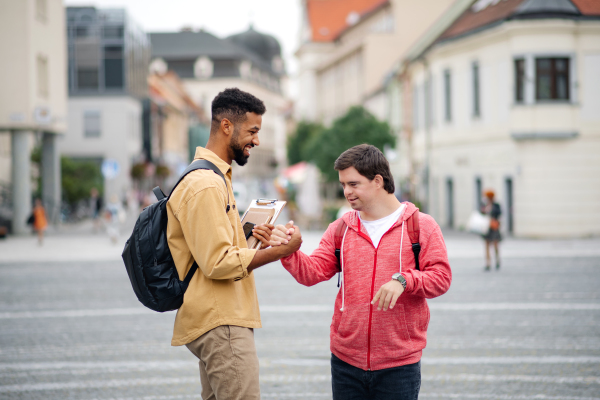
<point>221,292</point>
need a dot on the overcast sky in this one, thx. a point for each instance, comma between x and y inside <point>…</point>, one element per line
<point>280,18</point>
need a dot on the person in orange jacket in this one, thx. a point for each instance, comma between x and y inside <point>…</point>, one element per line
<point>40,223</point>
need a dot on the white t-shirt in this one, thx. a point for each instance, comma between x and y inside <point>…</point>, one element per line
<point>377,228</point>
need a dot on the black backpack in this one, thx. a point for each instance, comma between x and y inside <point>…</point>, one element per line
<point>147,256</point>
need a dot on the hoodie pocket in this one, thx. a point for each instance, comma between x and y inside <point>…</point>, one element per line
<point>400,335</point>
<point>353,321</point>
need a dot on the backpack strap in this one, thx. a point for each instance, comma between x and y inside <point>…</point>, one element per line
<point>413,233</point>
<point>198,164</point>
<point>338,236</point>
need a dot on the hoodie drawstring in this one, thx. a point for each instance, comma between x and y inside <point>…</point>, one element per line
<point>401,239</point>
<point>342,265</point>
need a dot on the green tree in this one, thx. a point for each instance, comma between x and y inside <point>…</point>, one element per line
<point>358,126</point>
<point>78,178</point>
<point>298,147</point>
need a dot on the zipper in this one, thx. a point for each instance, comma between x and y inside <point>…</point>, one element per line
<point>372,290</point>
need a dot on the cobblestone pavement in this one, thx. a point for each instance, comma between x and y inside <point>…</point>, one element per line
<point>71,328</point>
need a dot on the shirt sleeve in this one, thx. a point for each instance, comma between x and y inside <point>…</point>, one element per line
<point>435,275</point>
<point>320,266</point>
<point>210,237</point>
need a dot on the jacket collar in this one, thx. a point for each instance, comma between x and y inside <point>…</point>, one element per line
<point>205,154</point>
<point>353,221</point>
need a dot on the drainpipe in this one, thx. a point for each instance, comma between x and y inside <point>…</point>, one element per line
<point>427,106</point>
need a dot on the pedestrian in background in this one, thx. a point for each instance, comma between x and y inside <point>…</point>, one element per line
<point>95,207</point>
<point>114,215</point>
<point>40,223</point>
<point>492,237</point>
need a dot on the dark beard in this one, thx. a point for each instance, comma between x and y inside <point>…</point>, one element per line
<point>238,151</point>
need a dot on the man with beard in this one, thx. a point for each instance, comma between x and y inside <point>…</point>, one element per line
<point>220,307</point>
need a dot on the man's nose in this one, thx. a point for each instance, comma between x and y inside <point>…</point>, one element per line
<point>256,141</point>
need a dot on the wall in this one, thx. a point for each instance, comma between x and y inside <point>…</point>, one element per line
<point>31,37</point>
<point>556,183</point>
<point>120,138</point>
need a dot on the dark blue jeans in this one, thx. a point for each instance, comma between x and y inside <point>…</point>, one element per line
<point>351,383</point>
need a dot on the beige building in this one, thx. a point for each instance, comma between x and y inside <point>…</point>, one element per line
<point>171,115</point>
<point>33,103</point>
<point>348,47</point>
<point>507,96</point>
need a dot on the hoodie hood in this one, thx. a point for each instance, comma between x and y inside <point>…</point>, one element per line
<point>352,220</point>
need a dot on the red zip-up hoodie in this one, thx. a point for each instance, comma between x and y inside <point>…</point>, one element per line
<point>361,335</point>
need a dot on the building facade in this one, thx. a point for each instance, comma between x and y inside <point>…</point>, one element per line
<point>507,96</point>
<point>33,104</point>
<point>349,47</point>
<point>108,58</point>
<point>250,61</point>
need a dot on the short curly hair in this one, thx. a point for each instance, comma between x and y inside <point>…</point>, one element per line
<point>233,104</point>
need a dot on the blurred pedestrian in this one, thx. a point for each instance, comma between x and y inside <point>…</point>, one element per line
<point>95,207</point>
<point>492,237</point>
<point>113,215</point>
<point>40,223</point>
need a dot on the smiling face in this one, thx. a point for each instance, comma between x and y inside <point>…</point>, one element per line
<point>244,138</point>
<point>358,190</point>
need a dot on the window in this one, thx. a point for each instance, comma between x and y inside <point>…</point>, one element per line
<point>447,96</point>
<point>519,80</point>
<point>552,78</point>
<point>112,32</point>
<point>475,73</point>
<point>113,67</point>
<point>87,78</point>
<point>41,10</point>
<point>81,31</point>
<point>42,76</point>
<point>91,124</point>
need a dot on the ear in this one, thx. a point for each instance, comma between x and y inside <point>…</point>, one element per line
<point>379,181</point>
<point>226,126</point>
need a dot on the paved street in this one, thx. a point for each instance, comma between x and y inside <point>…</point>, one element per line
<point>71,327</point>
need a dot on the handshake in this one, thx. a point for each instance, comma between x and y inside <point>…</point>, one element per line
<point>286,238</point>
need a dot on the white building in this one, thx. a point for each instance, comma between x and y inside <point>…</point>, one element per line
<point>348,47</point>
<point>33,102</point>
<point>108,58</point>
<point>507,96</point>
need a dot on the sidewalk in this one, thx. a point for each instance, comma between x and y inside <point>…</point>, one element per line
<point>78,243</point>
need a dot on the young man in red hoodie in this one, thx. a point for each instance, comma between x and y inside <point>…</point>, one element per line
<point>379,326</point>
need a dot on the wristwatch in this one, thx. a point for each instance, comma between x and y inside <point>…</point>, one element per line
<point>398,277</point>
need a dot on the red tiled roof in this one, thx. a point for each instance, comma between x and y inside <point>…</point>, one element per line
<point>327,18</point>
<point>588,7</point>
<point>471,20</point>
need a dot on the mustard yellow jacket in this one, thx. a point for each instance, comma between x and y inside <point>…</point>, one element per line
<point>222,292</point>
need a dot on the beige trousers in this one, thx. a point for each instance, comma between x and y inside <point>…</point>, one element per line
<point>228,363</point>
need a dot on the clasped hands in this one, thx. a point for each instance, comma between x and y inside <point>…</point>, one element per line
<point>388,293</point>
<point>288,236</point>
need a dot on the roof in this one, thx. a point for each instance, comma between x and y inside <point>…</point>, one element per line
<point>191,45</point>
<point>588,7</point>
<point>486,13</point>
<point>327,18</point>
